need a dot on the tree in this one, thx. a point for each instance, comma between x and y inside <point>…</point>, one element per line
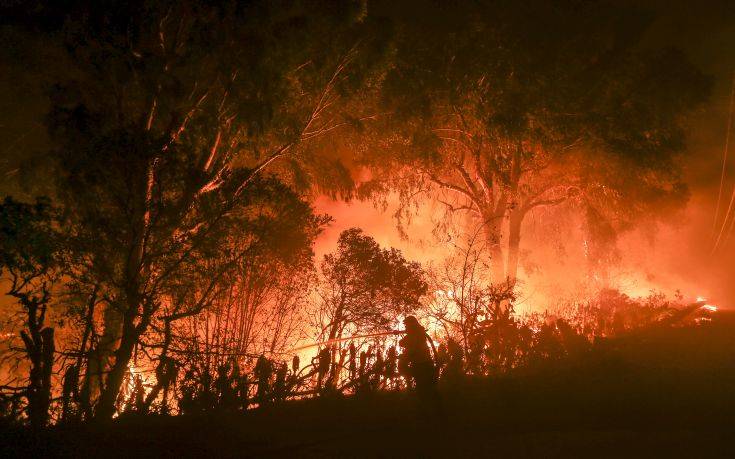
<point>162,123</point>
<point>365,288</point>
<point>504,108</point>
<point>259,303</point>
<point>465,301</point>
<point>32,260</point>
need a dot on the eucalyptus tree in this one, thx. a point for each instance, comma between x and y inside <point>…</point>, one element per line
<point>500,109</point>
<point>259,303</point>
<point>240,295</point>
<point>162,120</point>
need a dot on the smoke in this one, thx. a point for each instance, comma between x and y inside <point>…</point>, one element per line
<point>421,245</point>
<point>673,255</point>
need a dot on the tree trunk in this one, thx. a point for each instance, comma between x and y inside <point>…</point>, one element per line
<point>100,359</point>
<point>47,356</point>
<point>493,236</point>
<point>514,240</point>
<point>163,371</point>
<point>108,396</point>
<point>132,300</point>
<point>123,355</point>
<point>40,351</point>
<point>333,348</point>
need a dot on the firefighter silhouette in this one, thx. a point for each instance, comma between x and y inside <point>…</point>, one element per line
<point>322,363</point>
<point>263,371</point>
<point>415,362</point>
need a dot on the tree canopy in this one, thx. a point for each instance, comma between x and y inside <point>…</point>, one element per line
<point>499,108</point>
<point>368,286</point>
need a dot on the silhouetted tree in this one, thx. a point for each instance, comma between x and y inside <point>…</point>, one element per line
<point>32,260</point>
<point>162,122</point>
<point>501,108</point>
<point>258,305</point>
<point>464,297</point>
<point>365,288</point>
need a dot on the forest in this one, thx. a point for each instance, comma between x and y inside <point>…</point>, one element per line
<point>162,246</point>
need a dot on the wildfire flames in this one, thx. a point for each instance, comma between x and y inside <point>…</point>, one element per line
<point>229,208</point>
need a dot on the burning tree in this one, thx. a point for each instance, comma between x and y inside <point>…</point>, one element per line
<point>500,109</point>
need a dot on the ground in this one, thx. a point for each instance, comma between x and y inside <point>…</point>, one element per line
<point>665,393</point>
<point>508,418</point>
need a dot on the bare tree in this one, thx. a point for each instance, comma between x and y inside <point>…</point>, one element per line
<point>465,304</point>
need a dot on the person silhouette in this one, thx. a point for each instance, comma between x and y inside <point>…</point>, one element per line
<point>263,371</point>
<point>416,360</point>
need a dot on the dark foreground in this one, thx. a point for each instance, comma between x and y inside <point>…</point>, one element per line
<point>659,395</point>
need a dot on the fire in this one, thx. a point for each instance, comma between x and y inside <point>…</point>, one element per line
<point>133,374</point>
<point>705,306</point>
<point>444,294</point>
<point>706,311</point>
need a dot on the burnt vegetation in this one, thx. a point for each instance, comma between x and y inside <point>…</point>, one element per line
<point>158,251</point>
